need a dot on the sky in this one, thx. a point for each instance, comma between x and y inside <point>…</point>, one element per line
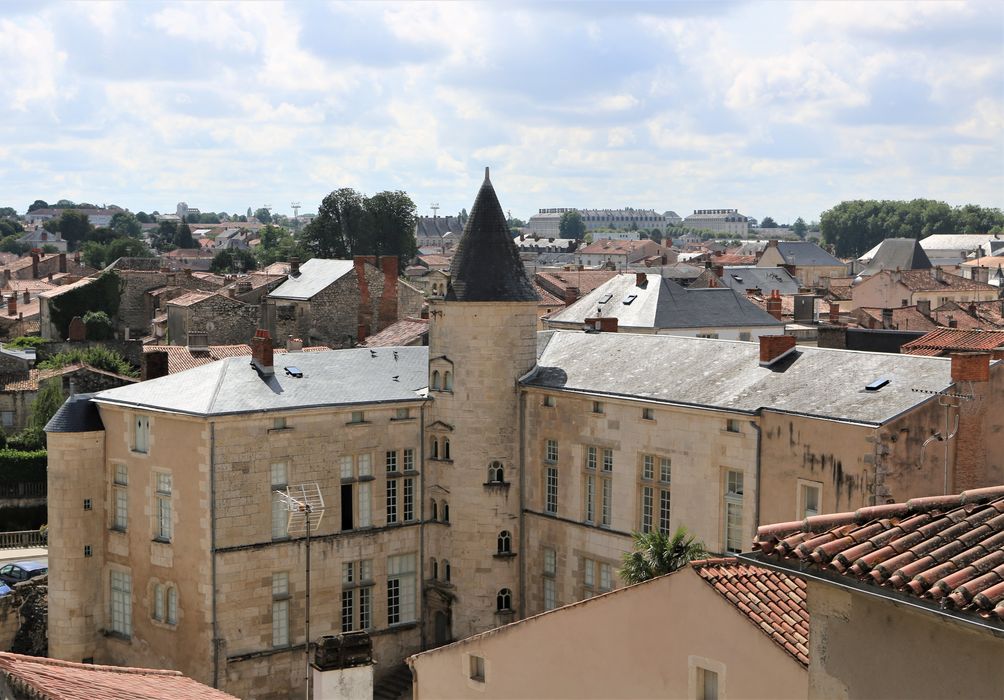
<point>779,109</point>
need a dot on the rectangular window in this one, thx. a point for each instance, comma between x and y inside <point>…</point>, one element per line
<point>551,453</point>
<point>172,605</point>
<point>733,511</point>
<point>550,595</point>
<point>8,418</point>
<point>808,496</point>
<point>365,509</point>
<point>278,424</point>
<point>608,460</point>
<point>733,426</point>
<point>648,414</point>
<point>121,481</point>
<point>477,668</point>
<point>348,610</point>
<point>550,571</point>
<point>665,470</point>
<point>606,486</point>
<point>409,459</point>
<point>158,602</point>
<point>549,401</point>
<point>588,574</point>
<point>664,500</point>
<point>400,589</point>
<point>278,480</point>
<point>707,684</point>
<point>409,500</point>
<point>280,609</point>
<point>392,460</point>
<point>121,602</point>
<point>141,435</point>
<point>648,467</point>
<point>391,501</point>
<point>365,608</point>
<point>164,507</point>
<point>590,498</point>
<point>364,464</point>
<point>606,577</point>
<point>402,413</point>
<point>597,407</point>
<point>591,457</point>
<point>357,417</point>
<point>646,508</point>
<point>345,467</point>
<point>551,504</point>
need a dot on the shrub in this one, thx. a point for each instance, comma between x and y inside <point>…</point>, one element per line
<point>95,356</point>
<point>24,341</point>
<point>19,466</point>
<point>99,326</point>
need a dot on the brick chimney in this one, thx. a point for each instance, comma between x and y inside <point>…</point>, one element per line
<point>261,352</point>
<point>719,270</point>
<point>604,324</point>
<point>887,318</point>
<point>294,344</point>
<point>774,304</point>
<point>640,279</point>
<point>154,364</point>
<point>34,265</point>
<point>364,317</point>
<point>387,312</point>
<point>294,267</point>
<point>774,348</point>
<point>27,296</point>
<point>971,374</point>
<point>571,295</point>
<point>834,313</point>
<point>12,305</point>
<point>62,262</point>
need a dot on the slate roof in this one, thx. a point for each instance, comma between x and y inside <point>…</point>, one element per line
<point>773,601</point>
<point>805,253</point>
<point>315,275</point>
<point>486,266</point>
<point>965,242</point>
<point>939,552</point>
<point>609,246</point>
<point>943,341</point>
<point>662,303</point>
<point>403,332</point>
<point>332,378</point>
<point>897,254</point>
<point>766,279</point>
<point>77,415</point>
<point>726,374</point>
<point>437,227</point>
<point>182,357</point>
<point>40,678</point>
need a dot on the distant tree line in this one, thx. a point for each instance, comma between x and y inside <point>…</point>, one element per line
<point>853,227</point>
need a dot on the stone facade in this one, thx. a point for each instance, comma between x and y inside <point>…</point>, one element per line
<point>226,321</point>
<point>135,308</point>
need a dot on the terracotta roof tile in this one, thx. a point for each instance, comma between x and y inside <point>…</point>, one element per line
<point>943,341</point>
<point>402,332</point>
<point>34,677</point>
<point>773,601</point>
<point>925,280</point>
<point>942,550</point>
<point>557,281</point>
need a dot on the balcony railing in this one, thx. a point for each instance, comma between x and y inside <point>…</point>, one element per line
<point>20,539</point>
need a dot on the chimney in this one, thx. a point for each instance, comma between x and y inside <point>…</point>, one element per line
<point>342,666</point>
<point>924,306</point>
<point>6,276</point>
<point>154,364</point>
<point>34,265</point>
<point>971,375</point>
<point>718,270</point>
<point>774,348</point>
<point>198,341</point>
<point>834,313</point>
<point>62,262</point>
<point>77,331</point>
<point>12,305</point>
<point>981,274</point>
<point>938,273</point>
<point>952,323</point>
<point>294,344</point>
<point>603,324</point>
<point>27,297</point>
<point>50,277</point>
<point>76,258</point>
<point>294,267</point>
<point>640,279</point>
<point>571,295</point>
<point>887,318</point>
<point>261,353</point>
<point>364,317</point>
<point>774,304</point>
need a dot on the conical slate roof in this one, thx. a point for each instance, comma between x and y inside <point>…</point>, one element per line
<point>486,266</point>
<point>898,254</point>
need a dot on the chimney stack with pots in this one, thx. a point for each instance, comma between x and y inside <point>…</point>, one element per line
<point>261,353</point>
<point>774,304</point>
<point>12,305</point>
<point>571,295</point>
<point>294,344</point>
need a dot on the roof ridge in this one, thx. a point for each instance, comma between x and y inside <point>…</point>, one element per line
<point>46,661</point>
<point>219,384</point>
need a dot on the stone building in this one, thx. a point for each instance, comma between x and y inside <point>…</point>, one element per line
<point>223,320</point>
<point>719,221</point>
<point>462,477</point>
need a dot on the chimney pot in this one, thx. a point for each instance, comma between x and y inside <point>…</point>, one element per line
<point>27,297</point>
<point>775,347</point>
<point>294,344</point>
<point>12,305</point>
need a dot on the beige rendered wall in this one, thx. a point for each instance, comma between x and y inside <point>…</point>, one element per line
<point>698,445</point>
<point>863,647</point>
<point>640,642</point>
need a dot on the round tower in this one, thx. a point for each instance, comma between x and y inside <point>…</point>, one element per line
<point>482,339</point>
<point>76,533</point>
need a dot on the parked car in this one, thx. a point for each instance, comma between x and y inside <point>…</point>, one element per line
<point>5,589</point>
<point>22,571</point>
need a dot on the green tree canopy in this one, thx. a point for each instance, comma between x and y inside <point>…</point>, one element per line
<point>278,244</point>
<point>233,260</point>
<point>656,554</point>
<point>101,255</point>
<point>38,204</point>
<point>8,212</point>
<point>10,228</point>
<point>183,237</point>
<point>73,226</point>
<point>571,225</point>
<point>768,222</point>
<point>125,224</point>
<point>263,215</point>
<point>163,239</point>
<point>799,228</point>
<point>143,217</point>
<point>11,244</point>
<point>390,226</point>
<point>338,227</point>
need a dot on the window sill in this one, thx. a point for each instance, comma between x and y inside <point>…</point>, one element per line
<point>280,430</point>
<point>161,540</point>
<point>441,459</point>
<point>737,433</point>
<point>357,422</point>
<point>118,530</point>
<point>410,472</point>
<point>409,419</point>
<point>504,555</point>
<point>111,634</point>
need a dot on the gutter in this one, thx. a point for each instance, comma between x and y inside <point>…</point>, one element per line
<point>881,592</point>
<point>212,550</point>
<point>522,500</point>
<point>421,519</point>
<point>756,504</point>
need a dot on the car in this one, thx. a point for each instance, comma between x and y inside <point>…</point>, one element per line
<point>5,589</point>
<point>22,571</point>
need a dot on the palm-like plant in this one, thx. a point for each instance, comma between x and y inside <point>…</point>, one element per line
<point>656,554</point>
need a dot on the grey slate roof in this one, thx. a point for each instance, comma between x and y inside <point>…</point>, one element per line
<point>78,414</point>
<point>897,254</point>
<point>805,253</point>
<point>315,275</point>
<point>332,378</point>
<point>727,375</point>
<point>662,303</point>
<point>486,266</point>
<point>767,279</point>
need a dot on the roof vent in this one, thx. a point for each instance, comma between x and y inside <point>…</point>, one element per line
<point>294,372</point>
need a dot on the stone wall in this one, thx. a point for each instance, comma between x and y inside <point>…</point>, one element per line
<point>225,320</point>
<point>135,311</point>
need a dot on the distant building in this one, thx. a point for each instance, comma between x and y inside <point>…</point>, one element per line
<point>95,217</point>
<point>546,222</point>
<point>621,253</point>
<point>438,232</point>
<point>719,221</point>
<point>184,211</point>
<point>805,260</point>
<point>39,237</point>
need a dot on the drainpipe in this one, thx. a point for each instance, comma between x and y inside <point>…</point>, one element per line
<point>421,526</point>
<point>212,549</point>
<point>522,495</point>
<point>756,504</point>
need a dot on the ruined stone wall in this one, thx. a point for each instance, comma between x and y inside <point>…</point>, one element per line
<point>227,321</point>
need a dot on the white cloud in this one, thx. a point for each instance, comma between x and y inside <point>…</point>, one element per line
<point>33,63</point>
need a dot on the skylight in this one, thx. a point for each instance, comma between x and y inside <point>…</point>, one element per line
<point>877,384</point>
<point>630,297</point>
<point>605,299</point>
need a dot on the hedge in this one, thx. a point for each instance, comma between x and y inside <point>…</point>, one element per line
<point>22,466</point>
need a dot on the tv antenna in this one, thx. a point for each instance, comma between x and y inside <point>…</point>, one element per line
<point>306,509</point>
<point>295,206</point>
<point>435,208</point>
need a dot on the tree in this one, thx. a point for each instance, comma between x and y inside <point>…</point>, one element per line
<point>101,255</point>
<point>99,326</point>
<point>74,227</point>
<point>338,226</point>
<point>8,212</point>
<point>277,244</point>
<point>572,225</point>
<point>183,237</point>
<point>389,226</point>
<point>125,224</point>
<point>164,237</point>
<point>143,217</point>
<point>249,214</point>
<point>656,235</point>
<point>233,260</point>
<point>263,215</point>
<point>656,554</point>
<point>800,228</point>
<point>10,228</point>
<point>48,400</point>
<point>10,244</point>
<point>38,204</point>
<point>768,223</point>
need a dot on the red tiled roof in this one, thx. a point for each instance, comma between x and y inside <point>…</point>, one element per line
<point>38,678</point>
<point>945,551</point>
<point>925,281</point>
<point>733,259</point>
<point>546,298</point>
<point>181,357</point>
<point>402,332</point>
<point>945,340</point>
<point>616,247</point>
<point>557,281</point>
<point>190,298</point>
<point>774,602</point>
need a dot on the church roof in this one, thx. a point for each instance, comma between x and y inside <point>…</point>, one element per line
<point>486,266</point>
